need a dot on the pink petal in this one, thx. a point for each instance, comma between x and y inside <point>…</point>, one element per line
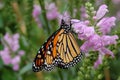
<point>101,11</point>
<point>106,24</point>
<point>16,67</point>
<point>86,46</point>
<point>104,51</point>
<point>74,21</point>
<point>15,60</point>
<point>98,62</point>
<point>21,52</point>
<point>15,47</point>
<point>6,58</point>
<point>36,11</point>
<point>107,40</point>
<point>52,12</point>
<point>96,41</point>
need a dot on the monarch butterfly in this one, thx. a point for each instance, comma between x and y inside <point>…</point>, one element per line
<point>61,50</point>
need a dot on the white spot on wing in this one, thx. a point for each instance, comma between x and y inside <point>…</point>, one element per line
<point>48,52</point>
<point>38,51</point>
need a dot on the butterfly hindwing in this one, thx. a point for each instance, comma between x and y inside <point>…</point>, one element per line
<point>68,50</point>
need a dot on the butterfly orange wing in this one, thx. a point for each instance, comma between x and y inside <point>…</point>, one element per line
<point>47,53</point>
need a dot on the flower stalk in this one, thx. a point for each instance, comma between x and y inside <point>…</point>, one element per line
<point>44,18</point>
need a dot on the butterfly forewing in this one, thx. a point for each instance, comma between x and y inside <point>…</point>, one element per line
<point>46,55</point>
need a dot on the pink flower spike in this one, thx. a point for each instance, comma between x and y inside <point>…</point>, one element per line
<point>6,58</point>
<point>16,67</point>
<point>106,24</point>
<point>98,62</point>
<point>15,60</point>
<point>36,11</point>
<point>52,12</point>
<point>101,11</point>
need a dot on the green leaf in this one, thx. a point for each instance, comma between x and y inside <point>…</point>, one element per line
<point>26,68</point>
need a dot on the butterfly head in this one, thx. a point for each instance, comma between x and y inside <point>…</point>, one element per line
<point>65,26</point>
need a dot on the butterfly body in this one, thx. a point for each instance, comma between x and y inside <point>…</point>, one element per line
<point>59,50</point>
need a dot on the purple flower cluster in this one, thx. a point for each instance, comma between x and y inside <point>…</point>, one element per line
<point>93,40</point>
<point>11,53</point>
<point>51,13</point>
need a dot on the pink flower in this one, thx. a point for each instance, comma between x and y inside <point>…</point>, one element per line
<point>101,11</point>
<point>87,32</point>
<point>5,56</point>
<point>107,40</point>
<point>104,51</point>
<point>106,24</point>
<point>52,12</point>
<point>83,13</point>
<point>36,11</point>
<point>84,31</point>
<point>12,41</point>
<point>16,67</point>
<point>96,41</point>
<point>21,52</point>
<point>15,60</point>
<point>11,48</point>
<point>98,62</point>
<point>86,46</point>
<point>8,39</point>
<point>75,21</point>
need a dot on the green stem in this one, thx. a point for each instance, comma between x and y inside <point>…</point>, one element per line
<point>44,21</point>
